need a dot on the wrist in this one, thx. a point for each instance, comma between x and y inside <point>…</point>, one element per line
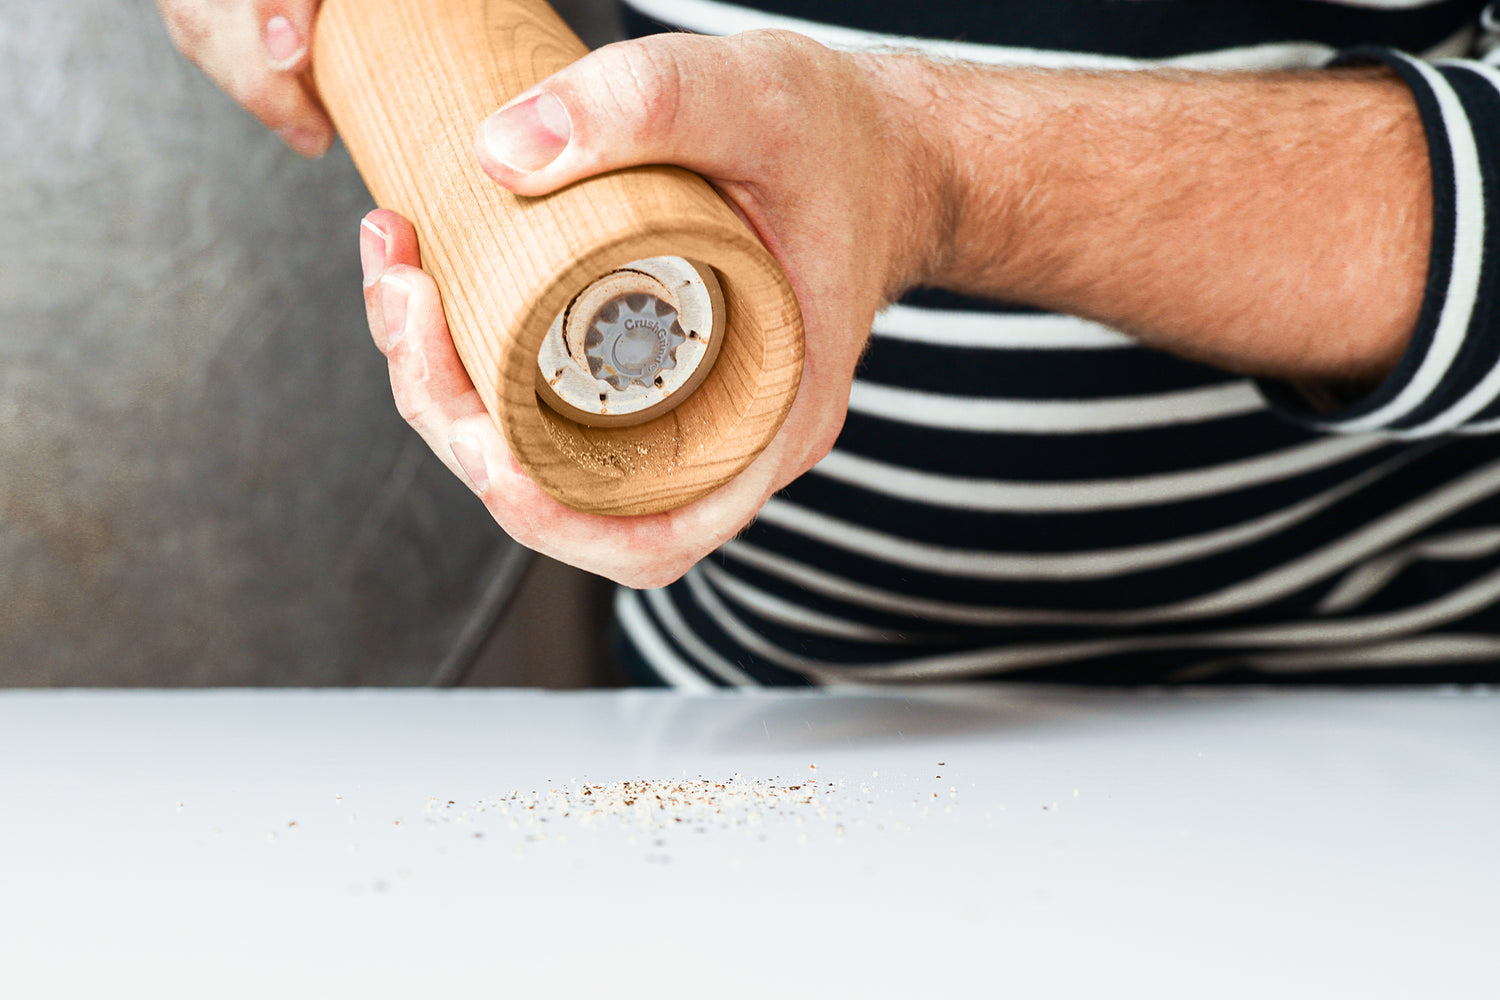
<point>971,148</point>
<point>908,93</point>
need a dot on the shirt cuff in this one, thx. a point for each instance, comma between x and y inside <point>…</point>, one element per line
<point>1449,378</point>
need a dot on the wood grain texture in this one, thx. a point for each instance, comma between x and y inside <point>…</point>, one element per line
<point>407,83</point>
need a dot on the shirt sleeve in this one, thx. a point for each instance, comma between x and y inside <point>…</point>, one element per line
<point>1448,381</point>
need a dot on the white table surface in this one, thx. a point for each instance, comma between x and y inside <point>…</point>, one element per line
<point>1235,844</point>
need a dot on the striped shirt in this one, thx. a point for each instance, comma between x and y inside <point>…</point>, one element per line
<point>1033,496</point>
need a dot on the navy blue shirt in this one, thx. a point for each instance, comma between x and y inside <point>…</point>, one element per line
<point>1032,496</point>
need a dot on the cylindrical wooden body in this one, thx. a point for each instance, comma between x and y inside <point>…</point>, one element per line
<point>407,83</point>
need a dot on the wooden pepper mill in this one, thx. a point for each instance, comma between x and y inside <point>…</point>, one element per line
<point>627,271</point>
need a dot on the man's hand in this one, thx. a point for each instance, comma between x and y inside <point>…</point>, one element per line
<point>1218,216</point>
<point>792,136</point>
<point>257,50</point>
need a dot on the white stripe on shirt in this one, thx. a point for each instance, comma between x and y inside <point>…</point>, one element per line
<point>710,17</point>
<point>666,612</point>
<point>1367,541</point>
<point>1487,390</point>
<point>671,668</point>
<point>1422,651</point>
<point>999,495</point>
<point>1003,331</point>
<point>1466,600</point>
<point>980,564</point>
<point>1055,416</point>
<point>1365,581</point>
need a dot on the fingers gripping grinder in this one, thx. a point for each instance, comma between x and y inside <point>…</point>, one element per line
<point>632,338</point>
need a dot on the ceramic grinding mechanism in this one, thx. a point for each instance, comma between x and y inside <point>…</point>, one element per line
<point>633,344</point>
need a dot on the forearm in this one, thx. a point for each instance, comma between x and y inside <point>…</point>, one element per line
<point>1277,224</point>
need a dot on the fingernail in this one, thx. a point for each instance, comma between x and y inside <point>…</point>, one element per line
<point>372,244</point>
<point>309,142</point>
<point>471,458</point>
<point>394,294</point>
<point>529,135</point>
<point>283,44</point>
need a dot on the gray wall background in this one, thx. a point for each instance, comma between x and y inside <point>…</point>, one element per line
<point>202,478</point>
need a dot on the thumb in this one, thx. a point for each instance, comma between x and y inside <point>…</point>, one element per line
<point>680,99</point>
